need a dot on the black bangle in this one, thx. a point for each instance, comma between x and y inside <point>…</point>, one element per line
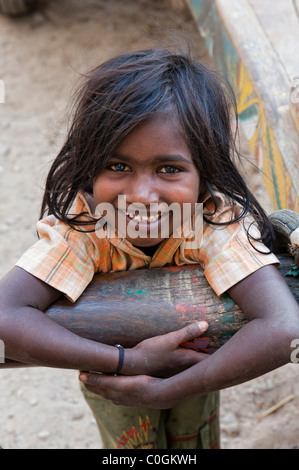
<point>121,358</point>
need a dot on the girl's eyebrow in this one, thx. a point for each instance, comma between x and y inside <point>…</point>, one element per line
<point>158,159</point>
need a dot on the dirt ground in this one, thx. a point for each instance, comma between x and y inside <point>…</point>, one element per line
<point>41,58</point>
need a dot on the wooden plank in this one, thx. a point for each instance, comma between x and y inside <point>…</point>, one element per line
<point>281,26</point>
<point>243,53</point>
<point>127,307</point>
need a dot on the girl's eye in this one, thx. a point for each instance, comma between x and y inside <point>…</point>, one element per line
<point>119,167</point>
<point>169,169</point>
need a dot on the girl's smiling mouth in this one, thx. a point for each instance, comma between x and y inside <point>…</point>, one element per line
<point>141,222</point>
<point>138,223</point>
<point>143,218</point>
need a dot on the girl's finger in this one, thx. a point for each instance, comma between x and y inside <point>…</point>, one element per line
<point>189,332</point>
<point>101,380</point>
<point>94,380</point>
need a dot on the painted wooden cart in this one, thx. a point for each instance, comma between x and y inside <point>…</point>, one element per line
<point>254,44</point>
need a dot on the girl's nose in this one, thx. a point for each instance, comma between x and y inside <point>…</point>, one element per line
<point>143,190</point>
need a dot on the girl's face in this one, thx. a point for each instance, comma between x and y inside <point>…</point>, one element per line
<point>151,169</point>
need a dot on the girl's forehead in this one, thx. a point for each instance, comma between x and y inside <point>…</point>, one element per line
<point>159,130</point>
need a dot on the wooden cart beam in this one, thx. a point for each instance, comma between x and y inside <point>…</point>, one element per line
<point>259,60</point>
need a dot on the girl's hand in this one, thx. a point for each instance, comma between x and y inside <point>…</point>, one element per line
<point>140,390</point>
<point>158,356</point>
<point>162,356</point>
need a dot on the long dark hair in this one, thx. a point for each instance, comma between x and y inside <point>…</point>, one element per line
<point>125,91</point>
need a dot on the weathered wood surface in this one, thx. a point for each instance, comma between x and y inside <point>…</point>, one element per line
<point>127,307</point>
<point>255,45</point>
<point>280,22</point>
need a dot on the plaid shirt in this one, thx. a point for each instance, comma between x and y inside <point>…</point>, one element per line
<point>67,259</point>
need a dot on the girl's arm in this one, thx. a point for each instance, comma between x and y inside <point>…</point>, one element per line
<point>30,337</point>
<point>262,345</point>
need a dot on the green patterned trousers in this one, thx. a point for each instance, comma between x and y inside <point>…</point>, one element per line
<point>192,424</point>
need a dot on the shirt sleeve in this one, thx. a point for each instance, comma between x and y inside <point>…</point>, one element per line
<point>62,257</point>
<point>228,255</point>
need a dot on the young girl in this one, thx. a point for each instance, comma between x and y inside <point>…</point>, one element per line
<point>153,127</point>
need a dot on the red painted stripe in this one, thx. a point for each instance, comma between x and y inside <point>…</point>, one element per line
<point>183,438</point>
<point>194,436</point>
<point>212,417</point>
<point>215,444</point>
